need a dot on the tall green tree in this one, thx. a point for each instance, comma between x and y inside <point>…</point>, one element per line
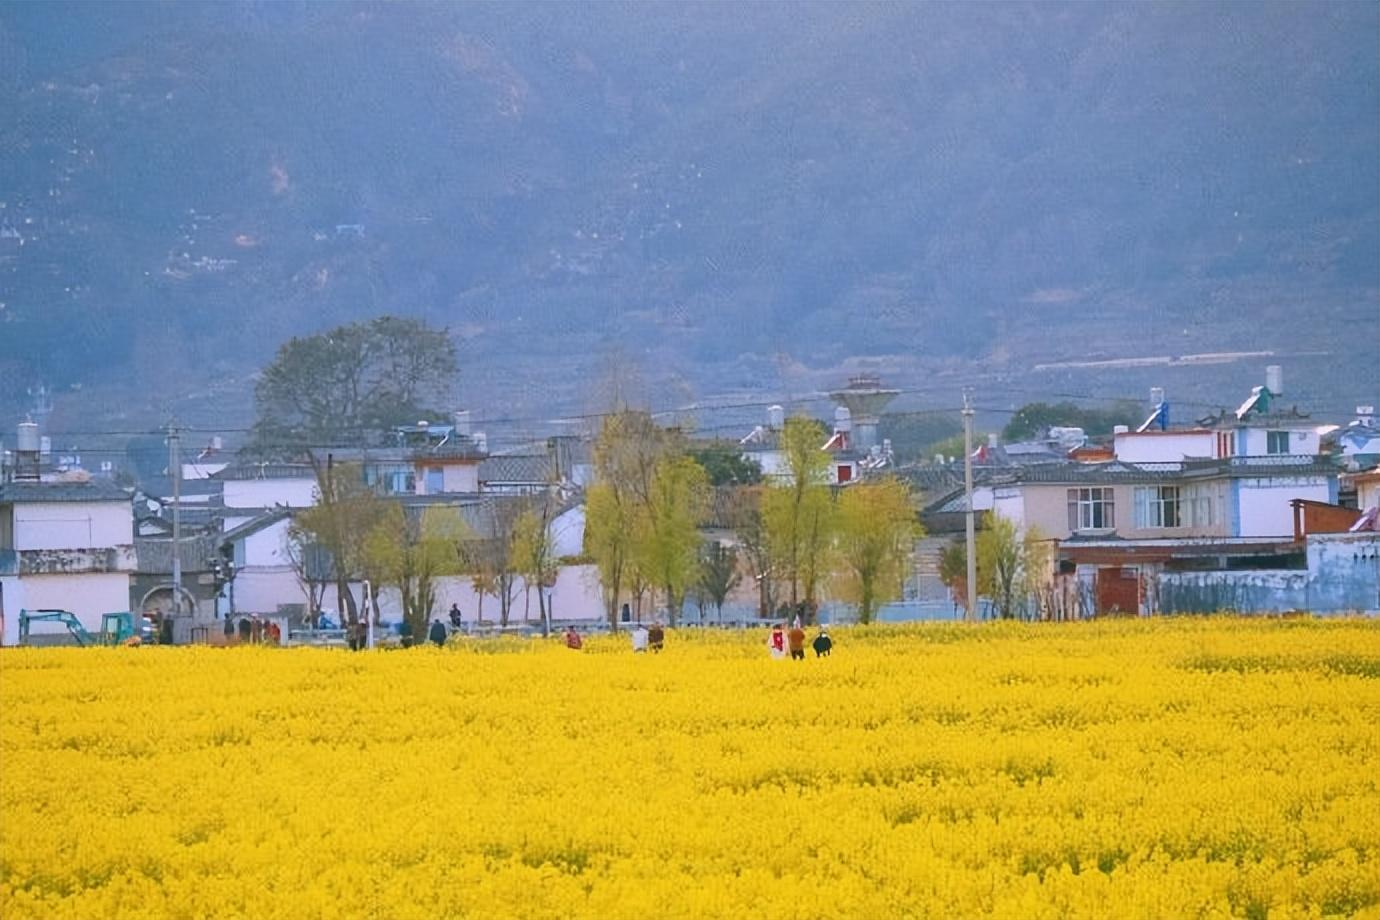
<point>667,537</point>
<point>798,512</point>
<point>877,529</point>
<point>626,454</point>
<point>347,385</point>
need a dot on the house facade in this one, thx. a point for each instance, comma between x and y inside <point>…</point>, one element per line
<point>64,545</point>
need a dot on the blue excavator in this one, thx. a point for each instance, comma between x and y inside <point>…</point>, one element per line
<point>116,628</point>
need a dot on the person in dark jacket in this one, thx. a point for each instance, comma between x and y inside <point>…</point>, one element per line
<point>405,632</point>
<point>437,633</point>
<point>822,643</point>
<point>456,621</point>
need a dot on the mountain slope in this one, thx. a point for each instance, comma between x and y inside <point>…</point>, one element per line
<point>705,186</point>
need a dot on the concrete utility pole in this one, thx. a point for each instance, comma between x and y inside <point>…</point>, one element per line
<point>175,469</point>
<point>968,527</point>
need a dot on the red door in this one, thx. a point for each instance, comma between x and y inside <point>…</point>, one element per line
<point>1118,590</point>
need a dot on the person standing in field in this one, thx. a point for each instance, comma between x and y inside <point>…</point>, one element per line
<point>822,643</point>
<point>776,642</point>
<point>572,639</point>
<point>437,633</point>
<point>456,621</point>
<point>796,639</point>
<point>656,637</point>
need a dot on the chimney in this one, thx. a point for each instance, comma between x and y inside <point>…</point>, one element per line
<point>462,422</point>
<point>481,441</point>
<point>843,419</point>
<point>992,440</point>
<point>1274,380</point>
<point>1156,397</point>
<point>776,418</point>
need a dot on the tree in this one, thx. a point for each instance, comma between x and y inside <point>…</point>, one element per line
<point>626,454</point>
<point>798,514</point>
<point>724,463</point>
<point>666,529</point>
<point>1011,564</point>
<point>953,570</point>
<point>533,554</point>
<point>343,385</point>
<point>311,565</point>
<point>1033,419</point>
<point>877,530</point>
<point>411,552</point>
<point>745,517</point>
<point>719,574</point>
<point>345,512</point>
<point>489,559</point>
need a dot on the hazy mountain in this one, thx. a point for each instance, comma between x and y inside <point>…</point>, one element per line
<point>708,186</point>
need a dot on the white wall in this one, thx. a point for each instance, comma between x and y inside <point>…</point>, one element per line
<point>772,462</point>
<point>73,525</point>
<point>1009,502</point>
<point>266,493</point>
<point>1264,503</point>
<point>1368,494</point>
<point>1301,441</point>
<point>87,596</point>
<point>1163,446</point>
<point>576,596</point>
<point>568,533</point>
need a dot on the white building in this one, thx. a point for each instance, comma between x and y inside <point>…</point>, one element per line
<point>64,546</point>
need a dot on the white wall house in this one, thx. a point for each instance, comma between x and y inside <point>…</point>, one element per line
<point>64,546</point>
<point>250,489</point>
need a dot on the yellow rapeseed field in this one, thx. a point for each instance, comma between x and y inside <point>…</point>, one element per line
<point>1167,768</point>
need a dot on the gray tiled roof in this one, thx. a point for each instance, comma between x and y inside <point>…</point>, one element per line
<point>527,468</point>
<point>266,471</point>
<point>94,490</point>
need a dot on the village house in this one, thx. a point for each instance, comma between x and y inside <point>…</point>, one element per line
<point>64,545</point>
<point>855,450</point>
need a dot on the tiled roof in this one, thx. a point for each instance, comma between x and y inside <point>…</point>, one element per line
<point>245,471</point>
<point>156,557</point>
<point>527,468</point>
<point>93,490</point>
<point>254,525</point>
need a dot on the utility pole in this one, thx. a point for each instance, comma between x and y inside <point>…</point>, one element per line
<point>175,469</point>
<point>970,540</point>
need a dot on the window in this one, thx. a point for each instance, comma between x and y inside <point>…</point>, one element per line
<point>1226,444</point>
<point>1091,509</point>
<point>1276,442</point>
<point>1158,506</point>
